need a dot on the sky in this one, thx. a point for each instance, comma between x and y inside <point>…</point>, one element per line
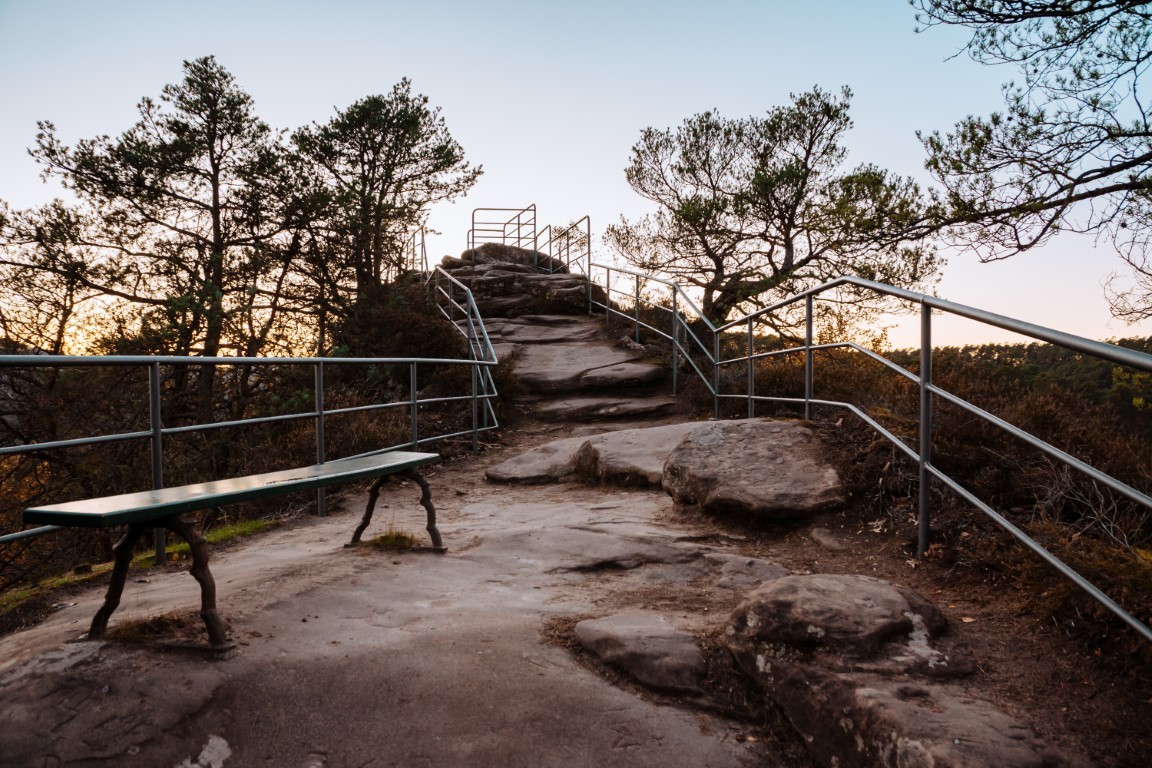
<point>548,98</point>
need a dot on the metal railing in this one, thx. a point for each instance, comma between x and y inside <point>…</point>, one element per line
<point>696,345</point>
<point>415,253</point>
<point>494,225</point>
<point>567,249</point>
<point>555,249</point>
<point>461,310</point>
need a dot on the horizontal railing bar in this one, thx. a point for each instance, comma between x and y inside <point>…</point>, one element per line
<point>73,443</point>
<point>837,345</point>
<point>42,361</point>
<point>1041,445</point>
<point>30,533</point>
<point>1045,555</point>
<point>238,423</point>
<point>1129,357</point>
<point>891,437</point>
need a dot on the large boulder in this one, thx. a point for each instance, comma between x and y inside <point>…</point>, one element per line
<point>773,469</point>
<point>854,614</point>
<point>497,253</point>
<point>850,662</point>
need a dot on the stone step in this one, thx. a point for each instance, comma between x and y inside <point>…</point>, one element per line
<point>599,408</point>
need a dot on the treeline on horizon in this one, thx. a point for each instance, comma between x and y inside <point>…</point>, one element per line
<point>201,230</point>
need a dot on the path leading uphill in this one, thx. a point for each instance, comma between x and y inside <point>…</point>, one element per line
<point>573,622</point>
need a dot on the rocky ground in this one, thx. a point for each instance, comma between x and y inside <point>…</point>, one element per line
<point>614,594</point>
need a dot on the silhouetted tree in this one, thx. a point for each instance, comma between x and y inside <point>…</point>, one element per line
<point>761,206</point>
<point>1072,149</point>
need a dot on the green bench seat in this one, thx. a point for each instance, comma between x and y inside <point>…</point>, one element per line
<point>163,508</point>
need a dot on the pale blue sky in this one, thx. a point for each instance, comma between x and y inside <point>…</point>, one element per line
<point>549,99</point>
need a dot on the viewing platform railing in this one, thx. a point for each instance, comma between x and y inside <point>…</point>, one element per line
<point>567,248</point>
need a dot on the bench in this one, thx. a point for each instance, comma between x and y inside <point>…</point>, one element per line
<point>163,508</point>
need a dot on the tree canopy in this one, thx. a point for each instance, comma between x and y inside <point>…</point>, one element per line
<point>1072,149</point>
<point>200,230</point>
<point>382,163</point>
<point>746,207</point>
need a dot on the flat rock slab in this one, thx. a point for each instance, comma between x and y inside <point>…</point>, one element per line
<point>548,463</point>
<point>647,647</point>
<point>580,408</point>
<point>627,456</point>
<point>632,374</point>
<point>630,456</point>
<point>542,329</point>
<point>757,467</point>
<point>571,366</point>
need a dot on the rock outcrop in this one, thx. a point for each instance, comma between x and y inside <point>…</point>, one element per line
<point>850,661</point>
<point>756,467</point>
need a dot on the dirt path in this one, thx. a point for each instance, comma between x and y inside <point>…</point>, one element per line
<point>369,658</point>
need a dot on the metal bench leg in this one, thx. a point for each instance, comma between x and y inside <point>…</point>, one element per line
<point>373,495</point>
<point>426,502</point>
<point>199,546</point>
<point>123,552</point>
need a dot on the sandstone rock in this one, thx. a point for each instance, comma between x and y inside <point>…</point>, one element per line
<point>742,573</point>
<point>855,614</point>
<point>621,375</point>
<point>841,656</point>
<point>548,463</point>
<point>550,368</point>
<point>757,467</point>
<point>867,721</point>
<point>540,329</point>
<point>628,457</point>
<point>647,647</point>
<point>826,539</point>
<point>573,408</point>
<point>506,254</point>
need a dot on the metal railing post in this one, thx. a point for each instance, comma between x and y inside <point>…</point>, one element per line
<point>925,506</point>
<point>675,344</point>
<point>475,409</point>
<point>808,357</point>
<point>321,496</point>
<point>715,374</point>
<point>156,423</point>
<point>415,406</point>
<point>607,298</point>
<point>751,375</point>
<point>636,310</point>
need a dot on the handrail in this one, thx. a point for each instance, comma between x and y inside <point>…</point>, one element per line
<point>520,228</point>
<point>562,248</point>
<point>685,343</point>
<point>483,391</point>
<point>569,247</point>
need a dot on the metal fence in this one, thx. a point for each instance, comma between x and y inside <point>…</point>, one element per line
<point>662,307</point>
<point>555,248</point>
<point>455,302</point>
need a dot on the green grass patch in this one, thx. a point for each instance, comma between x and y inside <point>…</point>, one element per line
<point>227,532</point>
<point>393,540</point>
<point>16,599</point>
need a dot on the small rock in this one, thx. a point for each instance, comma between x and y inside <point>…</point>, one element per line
<point>648,648</point>
<point>826,539</point>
